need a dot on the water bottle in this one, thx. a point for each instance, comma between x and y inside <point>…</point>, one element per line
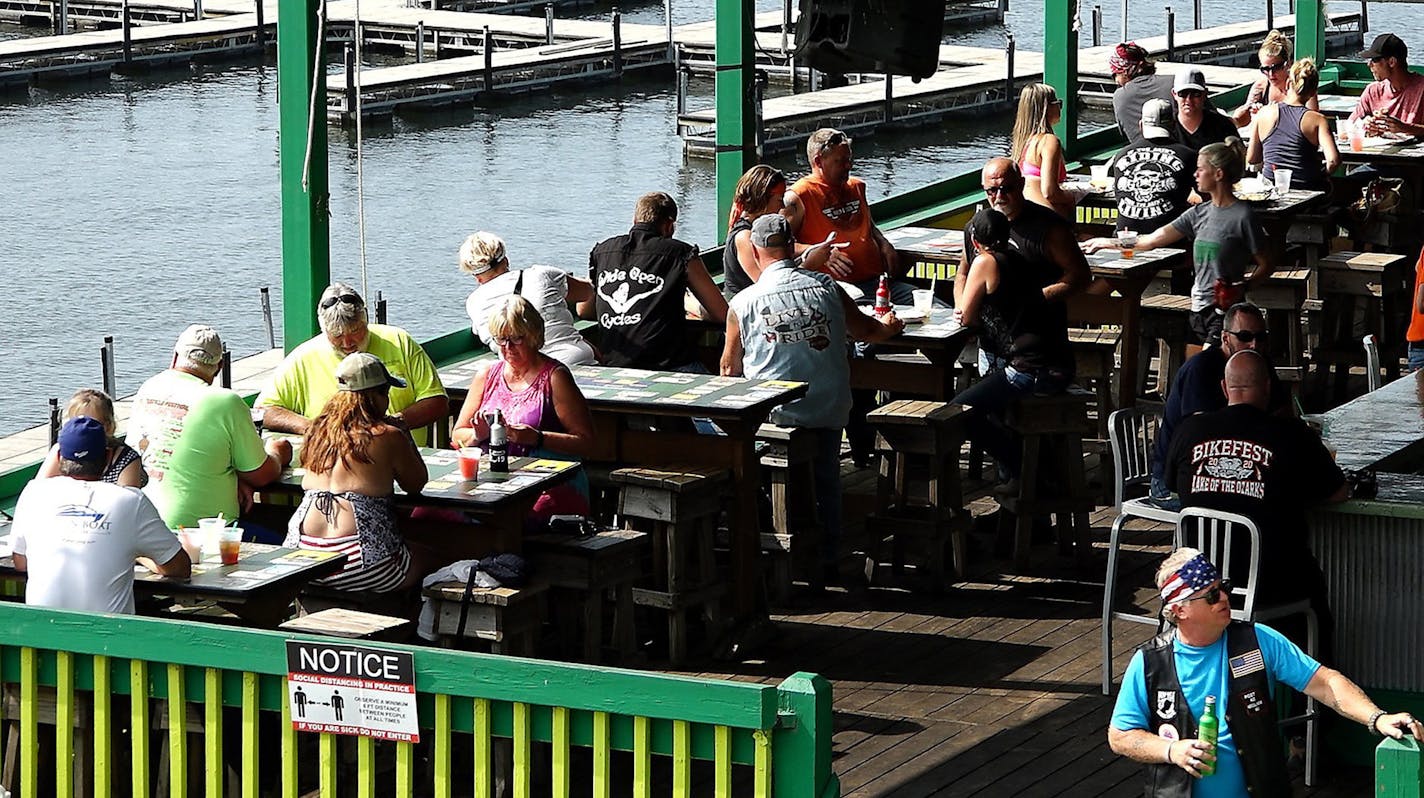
<point>498,444</point>
<point>1206,732</point>
<point>882,297</point>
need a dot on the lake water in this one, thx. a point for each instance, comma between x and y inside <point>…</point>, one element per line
<point>140,205</point>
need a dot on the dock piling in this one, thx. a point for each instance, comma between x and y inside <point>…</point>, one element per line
<point>54,421</point>
<point>106,363</point>
<point>1009,72</point>
<point>683,76</point>
<point>1196,15</point>
<point>126,25</point>
<point>1097,26</point>
<point>261,32</point>
<point>380,308</point>
<point>785,26</point>
<point>617,42</point>
<point>227,369</point>
<point>266,295</point>
<point>1124,36</point>
<point>349,57</point>
<point>1004,9</point>
<point>1364,13</point>
<point>759,83</point>
<point>197,10</point>
<point>1171,33</point>
<point>889,112</point>
<point>667,22</point>
<point>420,42</point>
<point>63,27</point>
<point>487,45</point>
<point>1270,15</point>
<point>549,23</point>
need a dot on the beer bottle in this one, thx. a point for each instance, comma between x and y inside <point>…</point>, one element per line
<point>498,444</point>
<point>1206,732</point>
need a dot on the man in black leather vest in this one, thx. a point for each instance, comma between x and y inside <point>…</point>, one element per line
<point>1207,653</point>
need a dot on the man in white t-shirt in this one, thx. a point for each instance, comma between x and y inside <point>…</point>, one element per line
<point>78,536</point>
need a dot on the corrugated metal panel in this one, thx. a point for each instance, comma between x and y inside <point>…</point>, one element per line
<point>1374,567</point>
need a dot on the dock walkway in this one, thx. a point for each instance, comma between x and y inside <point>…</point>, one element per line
<point>986,84</point>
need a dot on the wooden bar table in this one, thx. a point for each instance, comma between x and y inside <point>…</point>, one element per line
<point>738,406</point>
<point>938,338</point>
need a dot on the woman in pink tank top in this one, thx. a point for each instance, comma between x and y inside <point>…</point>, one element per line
<point>545,412</point>
<point>1038,151</point>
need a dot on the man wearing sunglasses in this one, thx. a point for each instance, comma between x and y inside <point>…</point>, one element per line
<point>1243,460</point>
<point>1205,653</point>
<point>306,379</point>
<point>1196,388</point>
<point>1199,123</point>
<point>1394,103</point>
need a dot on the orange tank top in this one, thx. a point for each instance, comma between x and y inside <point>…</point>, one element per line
<point>846,212</point>
<point>1416,319</point>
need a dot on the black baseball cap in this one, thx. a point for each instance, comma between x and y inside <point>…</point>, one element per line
<point>1387,45</point>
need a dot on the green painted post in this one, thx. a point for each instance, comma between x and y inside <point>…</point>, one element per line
<point>1399,772</point>
<point>1060,65</point>
<point>801,765</point>
<point>736,108</point>
<point>1310,30</point>
<point>306,248</point>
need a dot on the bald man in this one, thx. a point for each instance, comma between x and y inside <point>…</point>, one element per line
<point>1268,468</point>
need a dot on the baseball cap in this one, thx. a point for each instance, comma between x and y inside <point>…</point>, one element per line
<point>1189,80</point>
<point>1387,45</point>
<point>200,344</point>
<point>83,440</point>
<point>1158,119</point>
<point>362,371</point>
<point>771,230</point>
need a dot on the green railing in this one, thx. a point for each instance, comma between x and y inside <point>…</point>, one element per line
<point>1399,770</point>
<point>81,679</point>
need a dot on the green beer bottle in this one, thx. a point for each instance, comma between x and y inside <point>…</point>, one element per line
<point>1206,732</point>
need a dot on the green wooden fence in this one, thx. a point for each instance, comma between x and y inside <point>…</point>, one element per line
<point>94,693</point>
<point>1399,770</point>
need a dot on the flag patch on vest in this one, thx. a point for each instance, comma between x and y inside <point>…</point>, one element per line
<point>1250,662</point>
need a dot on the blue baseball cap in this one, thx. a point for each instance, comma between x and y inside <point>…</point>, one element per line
<point>83,440</point>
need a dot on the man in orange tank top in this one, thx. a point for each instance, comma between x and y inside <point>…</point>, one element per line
<point>829,201</point>
<point>1415,335</point>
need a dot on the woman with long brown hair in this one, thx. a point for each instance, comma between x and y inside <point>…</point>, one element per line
<point>1038,151</point>
<point>761,190</point>
<point>354,455</point>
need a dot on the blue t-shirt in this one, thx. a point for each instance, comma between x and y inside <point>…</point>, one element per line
<point>1202,672</point>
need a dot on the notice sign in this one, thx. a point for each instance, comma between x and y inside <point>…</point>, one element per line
<point>352,690</point>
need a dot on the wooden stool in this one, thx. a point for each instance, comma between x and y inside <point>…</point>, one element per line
<point>1377,280</point>
<point>1094,352</point>
<point>1164,317</point>
<point>1052,429</point>
<point>679,506</point>
<point>931,432</point>
<point>796,531</point>
<point>506,618</point>
<point>584,569</point>
<point>1282,298</point>
<point>350,624</point>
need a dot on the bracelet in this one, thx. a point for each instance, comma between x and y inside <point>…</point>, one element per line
<point>1373,720</point>
<point>1170,743</point>
<point>538,439</point>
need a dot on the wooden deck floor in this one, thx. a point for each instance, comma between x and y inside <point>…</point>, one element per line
<point>991,689</point>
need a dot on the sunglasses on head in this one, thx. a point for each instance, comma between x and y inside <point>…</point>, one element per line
<point>1246,336</point>
<point>1269,68</point>
<point>345,299</point>
<point>836,139</point>
<point>1213,595</point>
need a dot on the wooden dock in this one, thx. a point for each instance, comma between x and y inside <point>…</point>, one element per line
<point>978,79</point>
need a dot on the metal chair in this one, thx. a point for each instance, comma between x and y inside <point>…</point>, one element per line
<point>1372,363</point>
<point>1130,434</point>
<point>1211,532</point>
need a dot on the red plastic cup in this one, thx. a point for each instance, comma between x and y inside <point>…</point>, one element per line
<point>470,462</point>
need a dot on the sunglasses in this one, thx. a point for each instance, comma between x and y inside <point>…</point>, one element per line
<point>1192,94</point>
<point>1376,59</point>
<point>1246,336</point>
<point>1214,594</point>
<point>832,141</point>
<point>1269,68</point>
<point>1056,101</point>
<point>1004,189</point>
<point>345,299</point>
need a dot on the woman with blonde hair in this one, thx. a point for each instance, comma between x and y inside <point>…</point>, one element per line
<point>125,467</point>
<point>1288,135</point>
<point>354,456</point>
<point>483,256</point>
<point>1273,85</point>
<point>545,413</point>
<point>1038,151</point>
<point>1226,238</point>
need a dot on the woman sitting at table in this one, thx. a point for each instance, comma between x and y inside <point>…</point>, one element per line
<point>1272,87</point>
<point>1226,239</point>
<point>354,455</point>
<point>125,467</point>
<point>1290,136</point>
<point>1038,151</point>
<point>760,191</point>
<point>551,290</point>
<point>544,411</point>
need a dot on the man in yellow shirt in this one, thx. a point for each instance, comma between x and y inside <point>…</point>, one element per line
<point>307,378</point>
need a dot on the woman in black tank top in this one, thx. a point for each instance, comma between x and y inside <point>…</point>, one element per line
<point>760,191</point>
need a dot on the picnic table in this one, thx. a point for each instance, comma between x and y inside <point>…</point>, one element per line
<point>1126,277</point>
<point>921,361</point>
<point>737,405</point>
<point>259,589</point>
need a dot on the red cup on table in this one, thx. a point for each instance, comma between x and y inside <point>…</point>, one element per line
<point>470,461</point>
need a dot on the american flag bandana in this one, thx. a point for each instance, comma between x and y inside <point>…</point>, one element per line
<point>1195,575</point>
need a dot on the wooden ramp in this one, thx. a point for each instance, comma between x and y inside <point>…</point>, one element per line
<point>986,84</point>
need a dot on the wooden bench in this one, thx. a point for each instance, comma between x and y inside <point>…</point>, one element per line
<point>582,570</point>
<point>505,618</point>
<point>931,434</point>
<point>679,507</point>
<point>350,624</point>
<point>792,544</point>
<point>1052,428</point>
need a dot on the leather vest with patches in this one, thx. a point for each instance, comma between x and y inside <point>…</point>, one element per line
<point>1248,708</point>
